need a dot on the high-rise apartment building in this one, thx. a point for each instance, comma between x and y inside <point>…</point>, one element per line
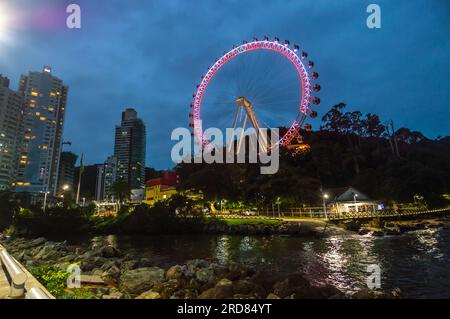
<point>66,172</point>
<point>44,106</point>
<point>10,117</point>
<point>129,149</point>
<point>106,176</point>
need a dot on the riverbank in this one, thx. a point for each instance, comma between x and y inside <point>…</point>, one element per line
<point>109,273</point>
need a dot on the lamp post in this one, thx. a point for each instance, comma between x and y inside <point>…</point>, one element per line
<point>355,196</point>
<point>45,199</point>
<point>325,197</point>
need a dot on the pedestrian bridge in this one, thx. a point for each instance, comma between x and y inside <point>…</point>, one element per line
<point>16,282</point>
<point>391,214</point>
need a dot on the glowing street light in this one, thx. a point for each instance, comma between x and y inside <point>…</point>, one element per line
<point>325,197</point>
<point>65,187</point>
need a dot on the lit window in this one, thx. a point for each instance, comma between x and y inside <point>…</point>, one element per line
<point>34,93</point>
<point>52,94</point>
<point>38,113</point>
<point>42,118</point>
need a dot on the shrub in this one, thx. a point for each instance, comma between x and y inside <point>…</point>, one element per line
<point>53,279</point>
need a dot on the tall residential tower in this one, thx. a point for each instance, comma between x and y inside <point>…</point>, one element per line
<point>129,149</point>
<point>10,116</point>
<point>45,99</point>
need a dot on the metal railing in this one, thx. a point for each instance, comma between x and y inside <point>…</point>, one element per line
<point>15,272</point>
<point>36,293</point>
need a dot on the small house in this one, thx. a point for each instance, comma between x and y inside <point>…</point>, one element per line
<point>349,200</point>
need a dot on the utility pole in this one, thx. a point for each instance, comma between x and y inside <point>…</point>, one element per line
<point>79,179</point>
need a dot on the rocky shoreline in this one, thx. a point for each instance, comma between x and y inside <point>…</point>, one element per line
<point>108,273</point>
<point>379,228</point>
<point>303,228</point>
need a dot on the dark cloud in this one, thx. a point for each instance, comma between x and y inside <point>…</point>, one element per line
<point>150,54</point>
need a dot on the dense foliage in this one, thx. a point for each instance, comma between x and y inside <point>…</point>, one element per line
<point>349,150</point>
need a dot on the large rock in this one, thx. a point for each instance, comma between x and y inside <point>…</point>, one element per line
<point>36,242</point>
<point>112,274</point>
<point>208,294</point>
<point>114,294</point>
<point>91,263</point>
<point>175,272</point>
<point>149,295</point>
<point>205,275</point>
<point>128,265</point>
<point>110,252</point>
<point>139,280</point>
<point>223,289</point>
<point>246,287</point>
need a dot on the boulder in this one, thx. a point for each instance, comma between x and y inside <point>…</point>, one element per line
<point>112,274</point>
<point>128,265</point>
<point>114,294</point>
<point>149,295</point>
<point>139,280</point>
<point>175,272</point>
<point>36,242</point>
<point>246,287</point>
<point>363,231</point>
<point>109,252</point>
<point>223,289</point>
<point>208,294</point>
<point>205,275</point>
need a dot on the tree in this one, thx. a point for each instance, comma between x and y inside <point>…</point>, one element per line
<point>372,126</point>
<point>333,119</point>
<point>121,189</point>
<point>8,209</point>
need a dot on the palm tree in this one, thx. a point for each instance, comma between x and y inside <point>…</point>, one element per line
<point>121,190</point>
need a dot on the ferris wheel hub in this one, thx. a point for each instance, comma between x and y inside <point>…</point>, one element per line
<point>244,102</point>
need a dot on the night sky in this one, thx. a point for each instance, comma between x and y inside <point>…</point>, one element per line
<point>149,55</point>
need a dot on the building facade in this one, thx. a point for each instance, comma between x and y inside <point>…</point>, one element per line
<point>161,188</point>
<point>346,200</point>
<point>66,174</point>
<point>106,176</point>
<point>129,149</point>
<point>10,117</point>
<point>43,110</point>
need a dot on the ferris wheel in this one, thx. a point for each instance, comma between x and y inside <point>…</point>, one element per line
<point>254,94</point>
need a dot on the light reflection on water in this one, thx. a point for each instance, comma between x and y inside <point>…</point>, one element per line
<point>416,262</point>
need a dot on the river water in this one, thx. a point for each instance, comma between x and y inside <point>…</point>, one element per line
<point>417,262</point>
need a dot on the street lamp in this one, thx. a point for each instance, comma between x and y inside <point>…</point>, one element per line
<point>65,187</point>
<point>45,200</point>
<point>355,196</point>
<point>325,197</point>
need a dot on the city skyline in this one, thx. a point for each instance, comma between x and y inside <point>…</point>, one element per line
<point>110,66</point>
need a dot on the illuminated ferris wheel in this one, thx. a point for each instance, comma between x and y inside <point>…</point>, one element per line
<point>255,95</point>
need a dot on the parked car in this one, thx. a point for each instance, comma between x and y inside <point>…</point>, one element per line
<point>249,213</point>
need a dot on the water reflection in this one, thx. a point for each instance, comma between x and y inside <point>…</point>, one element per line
<point>417,262</point>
